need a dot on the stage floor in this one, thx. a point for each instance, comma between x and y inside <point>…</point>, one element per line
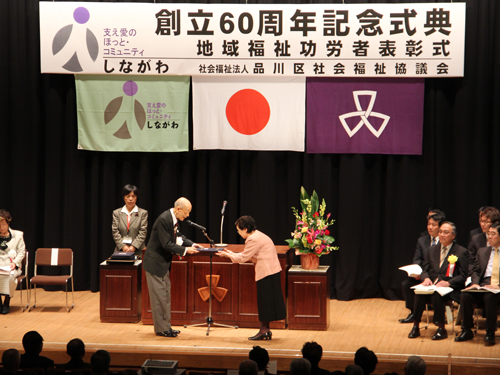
<point>368,322</point>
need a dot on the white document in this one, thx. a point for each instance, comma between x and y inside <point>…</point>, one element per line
<point>413,270</point>
<point>442,290</point>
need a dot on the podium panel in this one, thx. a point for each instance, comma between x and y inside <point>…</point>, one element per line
<point>308,298</point>
<point>238,306</point>
<point>120,293</point>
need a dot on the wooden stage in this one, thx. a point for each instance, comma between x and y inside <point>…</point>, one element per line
<point>369,322</point>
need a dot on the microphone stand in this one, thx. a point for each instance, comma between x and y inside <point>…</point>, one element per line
<point>210,321</point>
<point>221,244</point>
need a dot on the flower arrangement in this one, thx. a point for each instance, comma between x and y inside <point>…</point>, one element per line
<point>311,235</point>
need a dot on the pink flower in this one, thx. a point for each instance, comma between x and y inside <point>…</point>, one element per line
<point>327,216</point>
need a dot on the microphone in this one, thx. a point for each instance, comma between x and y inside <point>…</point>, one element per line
<point>223,207</point>
<point>195,225</point>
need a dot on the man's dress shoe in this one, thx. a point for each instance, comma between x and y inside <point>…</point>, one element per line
<point>465,335</point>
<point>166,334</point>
<point>415,332</point>
<point>408,319</point>
<point>440,334</point>
<point>489,339</point>
<point>175,331</point>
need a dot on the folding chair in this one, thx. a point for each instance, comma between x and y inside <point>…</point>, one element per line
<point>54,258</point>
<point>20,279</point>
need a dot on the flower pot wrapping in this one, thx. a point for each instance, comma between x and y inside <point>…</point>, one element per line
<point>309,261</point>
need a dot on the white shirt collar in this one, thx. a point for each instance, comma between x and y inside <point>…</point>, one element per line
<point>174,219</point>
<point>125,211</point>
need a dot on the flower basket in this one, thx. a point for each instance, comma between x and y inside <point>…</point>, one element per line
<point>311,236</point>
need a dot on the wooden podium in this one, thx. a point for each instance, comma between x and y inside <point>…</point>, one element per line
<point>239,305</point>
<point>309,298</point>
<point>120,288</point>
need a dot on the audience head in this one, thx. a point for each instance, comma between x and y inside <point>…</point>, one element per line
<point>11,360</point>
<point>32,342</point>
<point>415,366</point>
<point>353,370</point>
<point>366,359</point>
<point>312,351</point>
<point>76,349</point>
<point>100,361</point>
<point>300,366</point>
<point>248,367</point>
<point>260,356</point>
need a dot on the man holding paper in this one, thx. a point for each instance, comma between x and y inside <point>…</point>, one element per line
<point>485,275</point>
<point>445,265</point>
<point>423,244</point>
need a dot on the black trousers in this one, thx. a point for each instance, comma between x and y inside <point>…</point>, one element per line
<point>438,302</point>
<point>408,293</point>
<point>489,301</point>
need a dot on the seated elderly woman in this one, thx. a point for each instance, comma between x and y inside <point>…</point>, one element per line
<point>12,251</point>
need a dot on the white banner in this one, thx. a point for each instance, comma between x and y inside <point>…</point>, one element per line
<point>237,40</point>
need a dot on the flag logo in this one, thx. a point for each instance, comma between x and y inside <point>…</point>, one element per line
<point>248,111</point>
<point>130,88</point>
<point>364,114</point>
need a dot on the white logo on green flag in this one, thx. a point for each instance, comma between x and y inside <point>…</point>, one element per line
<point>132,113</point>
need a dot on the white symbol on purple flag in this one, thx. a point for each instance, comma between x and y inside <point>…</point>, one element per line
<point>364,114</point>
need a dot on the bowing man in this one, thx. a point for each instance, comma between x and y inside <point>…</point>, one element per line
<point>485,274</point>
<point>444,266</point>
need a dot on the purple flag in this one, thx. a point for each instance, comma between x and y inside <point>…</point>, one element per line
<point>365,116</point>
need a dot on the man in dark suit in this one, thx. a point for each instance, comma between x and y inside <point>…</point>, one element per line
<point>486,273</point>
<point>488,216</point>
<point>165,241</point>
<point>423,244</point>
<point>442,270</point>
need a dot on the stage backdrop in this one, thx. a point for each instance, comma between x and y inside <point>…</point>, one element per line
<point>64,197</point>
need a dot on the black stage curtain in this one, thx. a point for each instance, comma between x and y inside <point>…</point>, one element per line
<point>63,197</point>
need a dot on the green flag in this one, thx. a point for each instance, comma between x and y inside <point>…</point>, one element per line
<point>132,113</point>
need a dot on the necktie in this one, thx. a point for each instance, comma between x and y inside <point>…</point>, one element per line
<point>434,241</point>
<point>444,251</point>
<point>495,273</point>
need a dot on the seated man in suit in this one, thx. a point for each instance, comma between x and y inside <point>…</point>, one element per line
<point>442,270</point>
<point>485,273</point>
<point>488,216</point>
<point>477,230</point>
<point>423,244</point>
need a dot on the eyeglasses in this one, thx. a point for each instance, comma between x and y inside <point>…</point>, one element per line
<point>484,221</point>
<point>492,234</point>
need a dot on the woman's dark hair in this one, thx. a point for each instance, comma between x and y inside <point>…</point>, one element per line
<point>246,222</point>
<point>4,214</point>
<point>127,189</point>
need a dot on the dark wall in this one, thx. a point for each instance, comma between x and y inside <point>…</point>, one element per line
<point>62,197</point>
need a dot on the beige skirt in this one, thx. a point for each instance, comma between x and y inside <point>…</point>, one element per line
<point>8,283</point>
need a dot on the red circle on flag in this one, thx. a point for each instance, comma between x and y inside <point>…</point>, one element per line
<point>248,111</point>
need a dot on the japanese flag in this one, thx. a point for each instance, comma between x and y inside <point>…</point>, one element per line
<point>249,113</point>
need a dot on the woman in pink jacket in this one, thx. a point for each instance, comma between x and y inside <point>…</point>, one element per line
<point>260,249</point>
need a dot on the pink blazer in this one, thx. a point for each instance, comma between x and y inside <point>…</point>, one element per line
<point>260,249</point>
